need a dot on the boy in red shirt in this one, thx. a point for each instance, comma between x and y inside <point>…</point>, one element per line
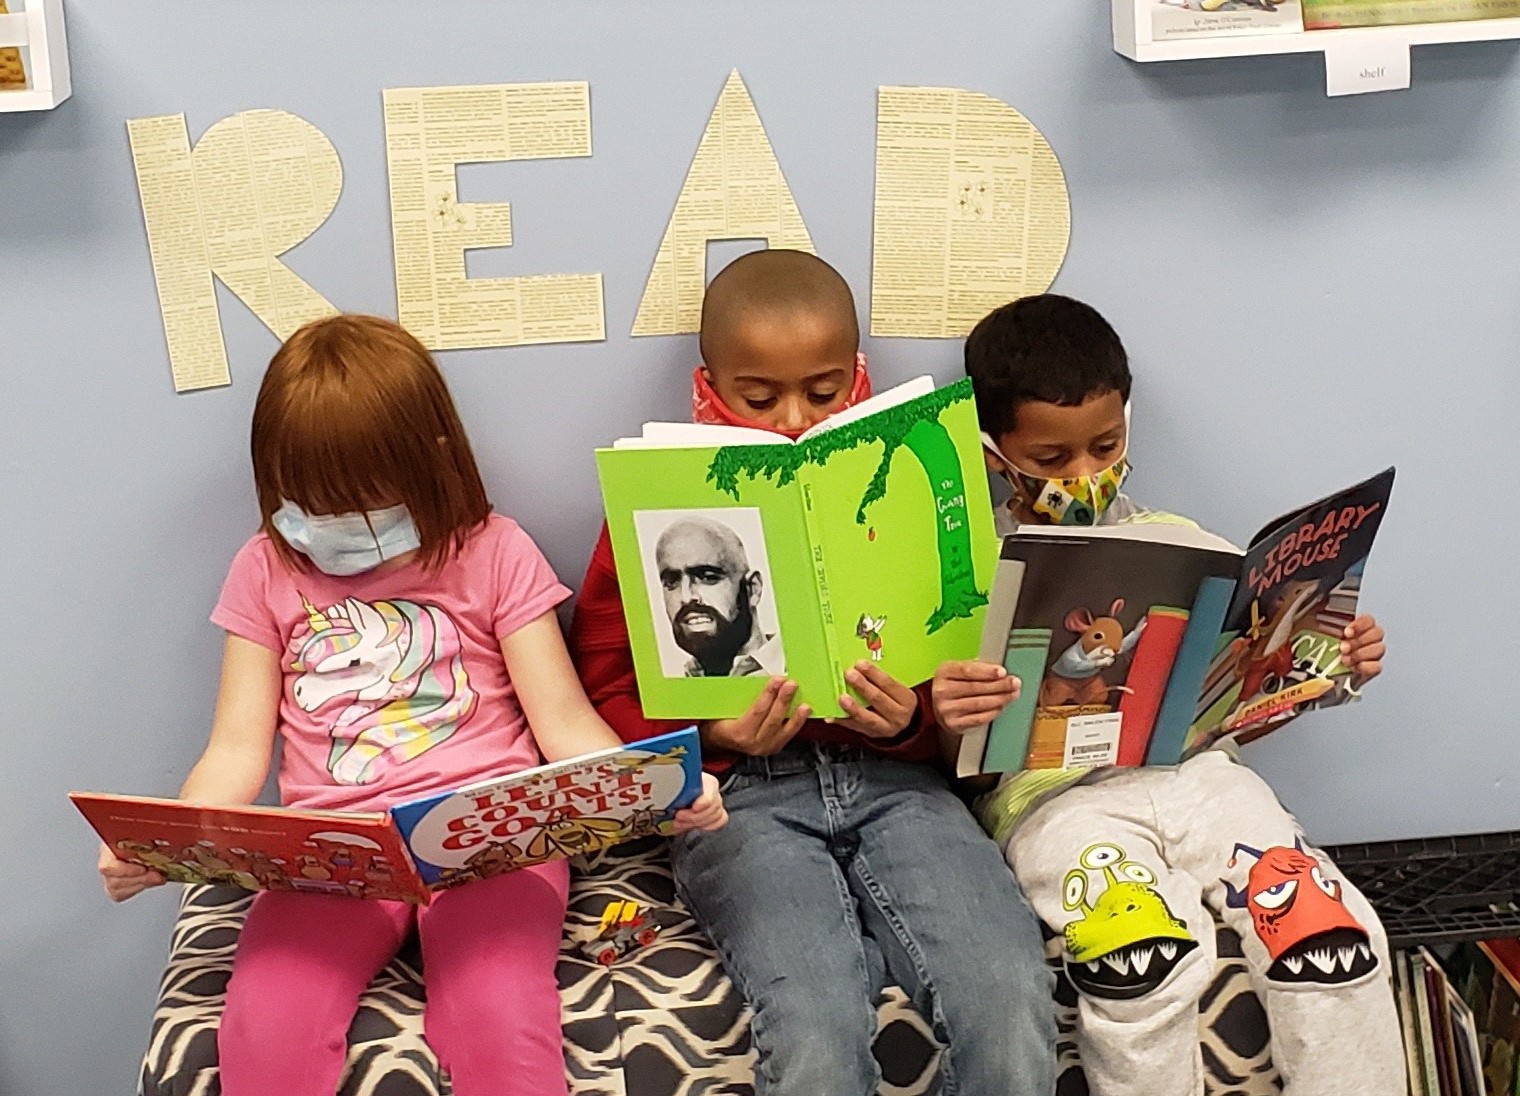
<point>846,859</point>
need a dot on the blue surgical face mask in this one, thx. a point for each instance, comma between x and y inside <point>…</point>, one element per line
<point>347,544</point>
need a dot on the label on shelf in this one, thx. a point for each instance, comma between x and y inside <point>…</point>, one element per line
<point>1366,63</point>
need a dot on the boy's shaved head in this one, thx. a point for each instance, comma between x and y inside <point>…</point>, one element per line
<point>774,284</point>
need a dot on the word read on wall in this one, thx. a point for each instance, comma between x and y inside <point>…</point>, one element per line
<point>971,210</point>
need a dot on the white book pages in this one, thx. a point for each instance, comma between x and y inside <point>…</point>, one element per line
<point>1154,532</point>
<point>902,393</point>
<point>696,435</point>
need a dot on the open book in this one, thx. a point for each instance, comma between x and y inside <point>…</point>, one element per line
<point>742,554</point>
<point>426,845</point>
<point>1143,643</point>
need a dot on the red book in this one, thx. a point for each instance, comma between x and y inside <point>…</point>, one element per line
<point>1506,958</point>
<point>258,848</point>
<point>1146,683</point>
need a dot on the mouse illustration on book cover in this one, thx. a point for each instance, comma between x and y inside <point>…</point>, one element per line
<point>1076,677</point>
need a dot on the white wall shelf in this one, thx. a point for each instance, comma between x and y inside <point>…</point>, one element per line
<point>1357,59</point>
<point>37,26</point>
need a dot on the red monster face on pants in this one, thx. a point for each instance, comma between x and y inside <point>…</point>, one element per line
<point>1300,918</point>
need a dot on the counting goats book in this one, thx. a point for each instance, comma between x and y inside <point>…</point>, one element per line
<point>743,554</point>
<point>431,844</point>
<point>1145,642</point>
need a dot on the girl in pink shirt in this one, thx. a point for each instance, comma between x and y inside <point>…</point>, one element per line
<point>400,638</point>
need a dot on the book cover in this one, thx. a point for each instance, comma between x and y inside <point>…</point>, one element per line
<point>560,810</point>
<point>12,67</point>
<point>1256,634</point>
<point>1469,1054</point>
<point>1404,1002</point>
<point>1500,1028</point>
<point>1200,643</point>
<point>1086,600</point>
<point>997,647</point>
<point>742,554</point>
<point>1146,684</point>
<point>1007,744</point>
<point>257,848</point>
<point>1170,20</point>
<point>1299,586</point>
<point>1430,1069</point>
<point>553,811</point>
<point>1440,1019</point>
<point>1335,14</point>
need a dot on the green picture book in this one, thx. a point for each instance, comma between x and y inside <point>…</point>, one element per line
<point>742,554</point>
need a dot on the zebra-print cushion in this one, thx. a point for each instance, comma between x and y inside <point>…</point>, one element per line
<point>663,1021</point>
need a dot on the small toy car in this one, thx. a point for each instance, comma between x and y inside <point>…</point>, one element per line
<point>624,927</point>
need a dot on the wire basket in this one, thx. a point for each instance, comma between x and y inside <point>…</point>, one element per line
<point>1437,890</point>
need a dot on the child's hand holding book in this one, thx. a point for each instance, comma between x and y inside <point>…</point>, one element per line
<point>122,879</point>
<point>765,727</point>
<point>707,813</point>
<point>1363,649</point>
<point>889,704</point>
<point>971,693</point>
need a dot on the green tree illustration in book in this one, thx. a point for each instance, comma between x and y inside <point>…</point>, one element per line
<point>742,554</point>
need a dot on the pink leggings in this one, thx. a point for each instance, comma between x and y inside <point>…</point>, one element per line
<point>489,950</point>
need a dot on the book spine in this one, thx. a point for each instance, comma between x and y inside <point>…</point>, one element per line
<point>1405,1005</point>
<point>1008,738</point>
<point>1004,601</point>
<point>1154,655</point>
<point>825,601</point>
<point>1185,684</point>
<point>1440,1022</point>
<point>1419,982</point>
<point>1451,1028</point>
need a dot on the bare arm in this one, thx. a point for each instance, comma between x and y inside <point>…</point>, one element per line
<point>236,760</point>
<point>563,722</point>
<point>235,763</point>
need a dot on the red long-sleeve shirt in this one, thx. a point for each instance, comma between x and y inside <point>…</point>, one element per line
<point>599,646</point>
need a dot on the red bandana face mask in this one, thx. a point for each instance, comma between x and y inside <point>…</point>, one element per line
<point>710,410</point>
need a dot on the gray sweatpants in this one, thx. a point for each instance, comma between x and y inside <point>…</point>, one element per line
<point>1129,867</point>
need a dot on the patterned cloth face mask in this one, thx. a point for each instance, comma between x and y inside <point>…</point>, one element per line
<point>347,544</point>
<point>1075,500</point>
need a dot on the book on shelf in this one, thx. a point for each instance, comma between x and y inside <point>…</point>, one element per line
<point>1174,20</point>
<point>1148,641</point>
<point>1339,14</point>
<point>1460,1018</point>
<point>12,66</point>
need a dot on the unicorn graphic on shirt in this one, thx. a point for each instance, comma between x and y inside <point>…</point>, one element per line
<point>395,666</point>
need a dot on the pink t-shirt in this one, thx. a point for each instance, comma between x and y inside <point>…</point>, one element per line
<point>394,685</point>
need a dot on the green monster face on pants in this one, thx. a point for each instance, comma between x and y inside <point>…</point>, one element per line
<point>1126,942</point>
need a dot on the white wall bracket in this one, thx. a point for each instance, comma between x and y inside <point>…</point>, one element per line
<point>38,27</point>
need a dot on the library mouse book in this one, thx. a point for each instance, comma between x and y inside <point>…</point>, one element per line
<point>742,554</point>
<point>1147,641</point>
<point>558,810</point>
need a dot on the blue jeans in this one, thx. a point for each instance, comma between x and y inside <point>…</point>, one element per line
<point>838,867</point>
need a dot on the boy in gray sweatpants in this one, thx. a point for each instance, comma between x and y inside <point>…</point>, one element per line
<point>1131,865</point>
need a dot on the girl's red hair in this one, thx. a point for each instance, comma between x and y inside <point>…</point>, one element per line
<point>354,415</point>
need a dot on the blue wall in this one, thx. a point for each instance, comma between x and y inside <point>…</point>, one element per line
<point>1310,289</point>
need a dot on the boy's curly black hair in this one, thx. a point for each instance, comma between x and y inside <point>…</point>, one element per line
<point>1048,348</point>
